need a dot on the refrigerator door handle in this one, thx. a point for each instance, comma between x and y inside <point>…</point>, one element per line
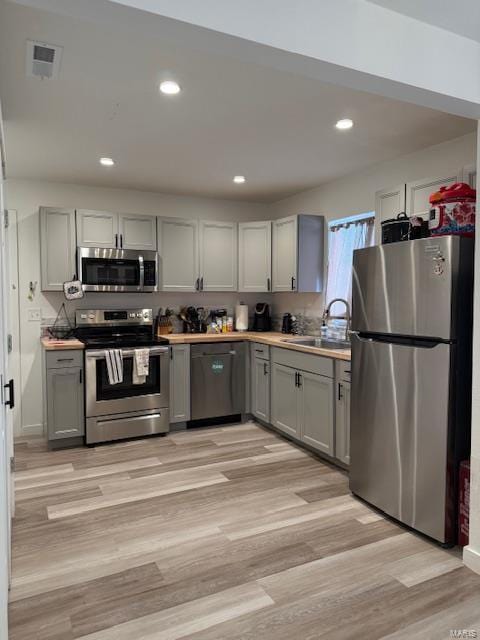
<point>356,334</point>
<point>405,341</point>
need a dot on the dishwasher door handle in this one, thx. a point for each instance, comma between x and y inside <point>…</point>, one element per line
<point>223,354</point>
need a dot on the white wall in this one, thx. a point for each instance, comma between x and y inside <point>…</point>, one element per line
<point>26,196</point>
<point>356,194</point>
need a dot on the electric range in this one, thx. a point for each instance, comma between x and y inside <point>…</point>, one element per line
<point>127,409</point>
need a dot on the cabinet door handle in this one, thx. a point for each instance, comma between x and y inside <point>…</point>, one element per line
<point>269,286</point>
<point>293,283</point>
<point>11,394</point>
<point>81,376</point>
<point>121,241</point>
<point>201,283</point>
<point>197,284</point>
<point>116,240</point>
<point>296,378</point>
<point>265,370</point>
<point>299,379</point>
<point>340,387</point>
<point>65,359</point>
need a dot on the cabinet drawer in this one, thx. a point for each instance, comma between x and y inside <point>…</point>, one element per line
<point>62,359</point>
<point>261,351</point>
<point>303,361</point>
<point>344,370</point>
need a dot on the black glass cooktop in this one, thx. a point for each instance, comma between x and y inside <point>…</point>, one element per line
<point>102,339</point>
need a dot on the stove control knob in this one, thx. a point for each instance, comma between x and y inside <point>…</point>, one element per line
<point>132,315</point>
<point>146,315</point>
<point>92,316</point>
<point>83,316</point>
<point>139,315</point>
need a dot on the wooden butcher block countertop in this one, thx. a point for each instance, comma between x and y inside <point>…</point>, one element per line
<point>50,344</point>
<point>272,338</point>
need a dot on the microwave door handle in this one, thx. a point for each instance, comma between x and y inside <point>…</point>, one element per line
<point>142,273</point>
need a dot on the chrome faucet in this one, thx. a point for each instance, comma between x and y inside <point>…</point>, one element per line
<point>326,314</point>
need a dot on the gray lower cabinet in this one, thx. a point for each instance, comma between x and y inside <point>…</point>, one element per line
<point>284,397</point>
<point>302,401</point>
<point>317,411</point>
<point>342,413</point>
<point>64,396</point>
<point>260,386</point>
<point>179,383</point>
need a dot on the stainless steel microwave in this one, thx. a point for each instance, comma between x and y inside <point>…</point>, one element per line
<point>117,270</point>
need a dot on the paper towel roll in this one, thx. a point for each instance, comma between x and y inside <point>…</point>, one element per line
<point>241,317</point>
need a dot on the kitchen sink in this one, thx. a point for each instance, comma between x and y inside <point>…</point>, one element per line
<point>320,343</point>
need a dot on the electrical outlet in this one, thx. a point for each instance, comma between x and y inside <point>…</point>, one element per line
<point>34,315</point>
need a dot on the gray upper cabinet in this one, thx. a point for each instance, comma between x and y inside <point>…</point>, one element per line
<point>179,383</point>
<point>178,250</point>
<point>138,232</point>
<point>388,204</point>
<point>411,198</point>
<point>284,254</point>
<point>218,256</point>
<point>317,412</point>
<point>64,400</point>
<point>97,229</point>
<point>197,256</point>
<point>255,256</point>
<point>57,247</point>
<point>469,175</point>
<point>419,191</point>
<point>298,253</point>
<point>116,230</point>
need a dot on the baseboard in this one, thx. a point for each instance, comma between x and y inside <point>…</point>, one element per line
<point>178,426</point>
<point>32,430</point>
<point>471,557</point>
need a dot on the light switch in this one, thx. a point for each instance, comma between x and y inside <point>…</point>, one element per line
<point>34,315</point>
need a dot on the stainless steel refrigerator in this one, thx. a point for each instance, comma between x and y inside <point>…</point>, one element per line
<point>411,379</point>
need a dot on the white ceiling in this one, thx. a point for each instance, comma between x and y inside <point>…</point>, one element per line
<point>459,16</point>
<point>231,118</point>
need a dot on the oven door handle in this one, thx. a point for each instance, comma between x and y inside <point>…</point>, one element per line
<point>152,351</point>
<point>142,273</point>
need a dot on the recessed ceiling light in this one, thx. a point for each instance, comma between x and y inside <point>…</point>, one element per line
<point>107,162</point>
<point>344,124</point>
<point>170,87</point>
<point>239,179</point>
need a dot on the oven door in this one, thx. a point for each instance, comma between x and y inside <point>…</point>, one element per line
<point>110,269</point>
<point>103,398</point>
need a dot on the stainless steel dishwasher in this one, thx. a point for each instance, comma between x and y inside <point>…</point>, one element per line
<point>217,379</point>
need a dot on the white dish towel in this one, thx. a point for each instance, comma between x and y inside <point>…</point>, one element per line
<point>140,366</point>
<point>114,360</point>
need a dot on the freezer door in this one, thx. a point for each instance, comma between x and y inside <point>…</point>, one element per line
<point>399,431</point>
<point>405,288</point>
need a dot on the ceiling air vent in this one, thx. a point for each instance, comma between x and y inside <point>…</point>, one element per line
<point>43,60</point>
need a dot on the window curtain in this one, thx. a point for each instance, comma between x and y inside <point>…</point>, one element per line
<point>343,239</point>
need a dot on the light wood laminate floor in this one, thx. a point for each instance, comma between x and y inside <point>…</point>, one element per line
<point>221,533</point>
